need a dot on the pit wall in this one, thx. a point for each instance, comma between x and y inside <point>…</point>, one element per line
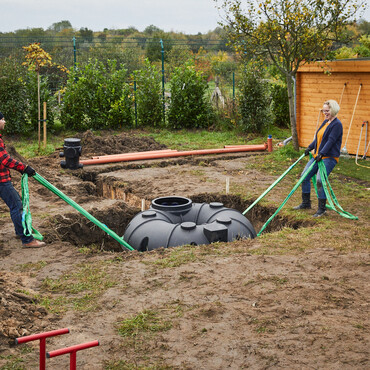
<point>339,80</point>
<point>117,190</point>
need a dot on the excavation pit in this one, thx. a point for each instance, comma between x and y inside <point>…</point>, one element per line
<point>76,229</point>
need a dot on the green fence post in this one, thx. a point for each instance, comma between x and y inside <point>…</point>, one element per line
<point>163,96</point>
<point>74,52</point>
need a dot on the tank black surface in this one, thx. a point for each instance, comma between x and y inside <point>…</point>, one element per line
<point>174,221</point>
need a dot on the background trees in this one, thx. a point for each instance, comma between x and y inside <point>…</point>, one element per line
<point>96,95</point>
<point>288,33</point>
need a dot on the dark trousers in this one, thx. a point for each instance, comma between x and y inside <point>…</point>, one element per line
<point>12,199</point>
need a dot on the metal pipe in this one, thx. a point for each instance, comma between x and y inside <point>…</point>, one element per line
<point>365,147</point>
<point>42,337</point>
<point>135,157</point>
<point>72,351</point>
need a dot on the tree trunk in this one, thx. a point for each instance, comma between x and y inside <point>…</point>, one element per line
<point>293,119</point>
<point>38,107</point>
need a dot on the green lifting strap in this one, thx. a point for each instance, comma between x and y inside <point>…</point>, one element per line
<point>72,203</point>
<point>287,198</point>
<point>330,196</point>
<point>26,214</point>
<point>273,185</point>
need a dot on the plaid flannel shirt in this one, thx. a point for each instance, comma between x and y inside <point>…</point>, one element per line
<point>7,162</point>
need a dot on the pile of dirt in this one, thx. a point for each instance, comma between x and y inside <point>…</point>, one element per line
<point>258,215</point>
<point>19,314</point>
<point>122,143</point>
<point>74,228</point>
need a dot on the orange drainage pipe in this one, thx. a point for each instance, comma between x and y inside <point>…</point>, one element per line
<point>269,145</point>
<point>237,146</point>
<point>135,157</point>
<point>133,153</point>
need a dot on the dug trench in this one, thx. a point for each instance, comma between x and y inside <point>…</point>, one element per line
<point>131,194</point>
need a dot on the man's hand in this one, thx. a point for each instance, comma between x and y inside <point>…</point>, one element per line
<point>30,171</point>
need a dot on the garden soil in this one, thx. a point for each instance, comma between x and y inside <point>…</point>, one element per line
<point>222,306</point>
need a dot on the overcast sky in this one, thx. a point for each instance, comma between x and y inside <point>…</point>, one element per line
<point>188,16</point>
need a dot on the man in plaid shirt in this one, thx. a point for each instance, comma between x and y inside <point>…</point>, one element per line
<point>8,193</point>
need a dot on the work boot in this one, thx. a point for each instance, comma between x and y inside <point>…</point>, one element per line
<point>322,208</point>
<point>34,244</point>
<point>306,202</point>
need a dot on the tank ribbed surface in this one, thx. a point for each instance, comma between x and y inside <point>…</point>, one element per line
<point>174,221</point>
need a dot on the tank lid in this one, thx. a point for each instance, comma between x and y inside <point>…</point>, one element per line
<point>216,205</point>
<point>149,213</point>
<point>223,220</point>
<point>188,225</point>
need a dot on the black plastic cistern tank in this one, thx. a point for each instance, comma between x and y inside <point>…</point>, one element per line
<point>173,221</point>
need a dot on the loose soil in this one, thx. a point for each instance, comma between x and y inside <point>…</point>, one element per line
<point>246,304</point>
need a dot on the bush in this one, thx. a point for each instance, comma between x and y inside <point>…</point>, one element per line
<point>149,96</point>
<point>97,97</point>
<point>254,101</point>
<point>13,96</point>
<point>280,105</point>
<point>189,107</point>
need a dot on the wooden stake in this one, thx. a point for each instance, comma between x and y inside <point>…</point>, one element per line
<point>45,124</point>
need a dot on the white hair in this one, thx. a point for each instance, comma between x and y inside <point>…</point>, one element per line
<point>333,106</point>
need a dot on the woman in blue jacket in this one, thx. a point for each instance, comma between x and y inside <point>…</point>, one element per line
<point>326,146</point>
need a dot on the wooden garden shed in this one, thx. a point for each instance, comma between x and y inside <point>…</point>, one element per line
<point>347,82</point>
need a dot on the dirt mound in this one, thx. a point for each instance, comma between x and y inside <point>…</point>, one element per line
<point>19,314</point>
<point>122,143</point>
<point>258,215</point>
<point>78,230</point>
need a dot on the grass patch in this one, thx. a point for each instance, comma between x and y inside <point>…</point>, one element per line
<point>32,266</point>
<point>348,167</point>
<point>79,290</point>
<point>28,147</point>
<point>198,139</point>
<point>146,321</point>
<point>12,363</point>
<point>177,256</point>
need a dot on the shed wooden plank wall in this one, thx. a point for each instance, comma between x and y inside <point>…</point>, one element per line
<point>343,85</point>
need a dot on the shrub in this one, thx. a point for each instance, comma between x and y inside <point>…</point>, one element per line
<point>149,95</point>
<point>189,107</point>
<point>280,105</point>
<point>254,100</point>
<point>13,96</point>
<point>97,97</point>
